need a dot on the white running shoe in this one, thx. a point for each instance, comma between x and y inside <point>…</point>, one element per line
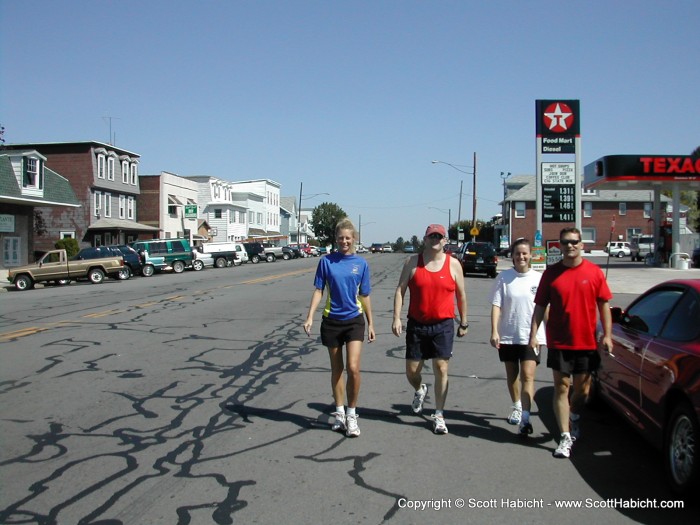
<point>564,448</point>
<point>339,423</point>
<point>418,398</point>
<point>439,426</point>
<point>353,430</point>
<point>516,415</point>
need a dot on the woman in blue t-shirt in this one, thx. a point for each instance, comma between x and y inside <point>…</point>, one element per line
<point>346,278</point>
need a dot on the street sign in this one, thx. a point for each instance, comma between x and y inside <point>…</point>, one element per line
<point>190,211</point>
<point>474,232</point>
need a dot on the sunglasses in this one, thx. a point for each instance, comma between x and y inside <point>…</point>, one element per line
<point>435,236</point>
<point>566,242</point>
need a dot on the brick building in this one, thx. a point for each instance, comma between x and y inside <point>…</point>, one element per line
<point>632,211</point>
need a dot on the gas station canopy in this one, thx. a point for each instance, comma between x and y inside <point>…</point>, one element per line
<point>643,172</point>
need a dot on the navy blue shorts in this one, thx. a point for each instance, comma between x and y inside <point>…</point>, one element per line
<point>335,333</point>
<point>429,341</point>
<point>570,362</point>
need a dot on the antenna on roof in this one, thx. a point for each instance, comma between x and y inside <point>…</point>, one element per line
<point>111,141</point>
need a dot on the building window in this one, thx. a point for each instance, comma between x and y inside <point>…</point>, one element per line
<point>134,173</point>
<point>130,208</point>
<point>633,232</point>
<point>520,210</point>
<point>32,173</point>
<point>588,235</point>
<point>108,204</point>
<point>251,217</point>
<point>100,166</point>
<point>622,208</point>
<point>217,213</point>
<point>172,210</point>
<point>110,168</point>
<point>648,208</point>
<point>11,252</point>
<point>98,240</point>
<point>97,203</point>
<point>108,238</point>
<point>125,172</point>
<point>67,235</point>
<point>122,206</point>
<point>588,209</point>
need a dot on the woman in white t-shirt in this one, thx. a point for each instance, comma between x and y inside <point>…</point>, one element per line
<point>512,304</point>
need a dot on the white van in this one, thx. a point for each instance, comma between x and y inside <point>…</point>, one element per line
<point>218,247</point>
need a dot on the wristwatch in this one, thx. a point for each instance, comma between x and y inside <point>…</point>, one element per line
<point>464,326</point>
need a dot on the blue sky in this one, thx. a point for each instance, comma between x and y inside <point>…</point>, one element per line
<point>354,99</point>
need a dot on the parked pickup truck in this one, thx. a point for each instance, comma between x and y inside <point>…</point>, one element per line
<point>54,266</point>
<point>272,252</point>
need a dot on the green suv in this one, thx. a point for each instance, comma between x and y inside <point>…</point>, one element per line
<point>176,253</point>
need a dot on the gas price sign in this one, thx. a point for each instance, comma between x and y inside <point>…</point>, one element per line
<point>558,192</point>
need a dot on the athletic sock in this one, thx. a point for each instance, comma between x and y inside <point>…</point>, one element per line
<point>518,404</point>
<point>525,418</point>
<point>351,411</point>
<point>340,410</point>
<point>438,413</point>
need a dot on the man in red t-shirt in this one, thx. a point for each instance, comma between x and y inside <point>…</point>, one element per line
<point>574,289</point>
<point>433,279</point>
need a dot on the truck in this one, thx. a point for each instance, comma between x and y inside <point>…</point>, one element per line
<point>54,266</point>
<point>272,252</point>
<point>224,253</point>
<point>641,246</point>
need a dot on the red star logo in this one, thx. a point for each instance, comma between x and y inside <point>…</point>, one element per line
<point>558,117</point>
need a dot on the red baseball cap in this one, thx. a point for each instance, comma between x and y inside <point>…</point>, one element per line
<point>436,228</point>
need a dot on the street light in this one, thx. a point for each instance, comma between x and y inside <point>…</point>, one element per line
<point>359,230</point>
<point>473,173</point>
<point>301,186</point>
<point>506,222</point>
<point>449,218</point>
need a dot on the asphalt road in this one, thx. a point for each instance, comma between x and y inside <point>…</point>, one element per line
<point>197,398</point>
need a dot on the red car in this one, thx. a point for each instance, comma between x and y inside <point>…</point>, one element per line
<point>652,377</point>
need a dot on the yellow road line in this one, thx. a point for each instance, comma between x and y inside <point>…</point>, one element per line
<point>277,276</point>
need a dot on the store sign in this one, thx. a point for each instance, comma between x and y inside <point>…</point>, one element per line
<point>190,211</point>
<point>558,124</point>
<point>642,168</point>
<point>558,192</point>
<point>7,223</point>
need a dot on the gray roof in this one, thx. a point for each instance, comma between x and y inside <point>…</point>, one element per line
<point>523,188</point>
<point>288,203</point>
<point>57,189</point>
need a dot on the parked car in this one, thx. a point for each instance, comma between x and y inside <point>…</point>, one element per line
<point>452,248</point>
<point>641,246</point>
<point>255,251</point>
<point>386,248</point>
<point>100,252</point>
<point>696,258</point>
<point>202,260</point>
<point>132,261</point>
<point>377,247</point>
<point>478,257</point>
<point>176,253</point>
<point>360,249</point>
<point>618,249</point>
<point>409,248</point>
<point>652,377</point>
<point>289,252</point>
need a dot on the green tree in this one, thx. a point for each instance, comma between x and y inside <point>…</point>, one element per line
<point>70,245</point>
<point>323,221</point>
<point>400,243</point>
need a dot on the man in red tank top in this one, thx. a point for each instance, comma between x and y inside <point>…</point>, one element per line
<point>434,279</point>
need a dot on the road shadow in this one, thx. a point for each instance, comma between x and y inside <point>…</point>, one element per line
<point>617,463</point>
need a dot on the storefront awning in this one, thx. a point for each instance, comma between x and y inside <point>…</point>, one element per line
<point>121,224</point>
